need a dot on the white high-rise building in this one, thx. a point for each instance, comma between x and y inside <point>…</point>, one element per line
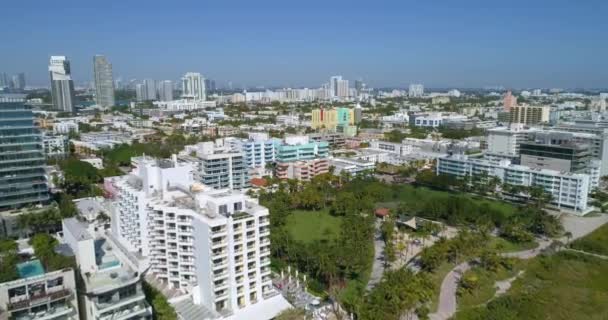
<point>62,86</point>
<point>165,90</point>
<point>342,90</point>
<point>333,85</point>
<point>140,92</point>
<point>212,244</point>
<point>104,82</point>
<point>150,89</point>
<point>416,90</point>
<point>193,86</point>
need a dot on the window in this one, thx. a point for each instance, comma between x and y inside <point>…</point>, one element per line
<point>223,209</point>
<point>238,206</point>
<point>54,282</point>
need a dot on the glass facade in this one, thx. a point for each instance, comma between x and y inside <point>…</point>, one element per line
<point>22,176</point>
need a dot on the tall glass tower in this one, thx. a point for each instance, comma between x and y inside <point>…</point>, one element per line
<point>22,178</point>
<point>104,82</point>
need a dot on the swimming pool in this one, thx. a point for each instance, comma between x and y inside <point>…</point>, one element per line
<point>110,264</point>
<point>30,269</point>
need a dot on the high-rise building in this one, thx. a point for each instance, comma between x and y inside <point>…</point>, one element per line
<point>4,82</point>
<point>22,161</point>
<point>193,86</point>
<point>210,85</point>
<point>150,89</point>
<point>165,90</point>
<point>342,90</point>
<point>333,85</point>
<point>140,92</point>
<point>104,81</point>
<point>213,244</point>
<point>18,82</point>
<point>416,90</point>
<point>509,101</point>
<point>359,85</point>
<point>62,86</point>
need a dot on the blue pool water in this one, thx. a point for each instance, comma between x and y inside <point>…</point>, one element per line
<point>109,264</point>
<point>30,269</point>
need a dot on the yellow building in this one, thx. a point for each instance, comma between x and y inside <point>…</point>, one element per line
<point>330,119</point>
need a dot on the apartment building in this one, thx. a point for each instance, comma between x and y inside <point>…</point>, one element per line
<point>218,165</point>
<point>569,190</point>
<point>336,140</point>
<point>39,295</point>
<point>258,149</point>
<point>330,119</point>
<point>303,170</point>
<point>22,161</point>
<point>297,148</point>
<point>55,146</point>
<point>213,244</point>
<point>529,114</point>
<point>112,289</point>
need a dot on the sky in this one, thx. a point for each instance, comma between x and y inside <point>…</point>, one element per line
<point>440,43</point>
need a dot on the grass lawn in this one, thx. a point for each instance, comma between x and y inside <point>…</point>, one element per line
<point>564,286</point>
<point>504,245</point>
<point>412,194</point>
<point>308,226</point>
<point>596,242</point>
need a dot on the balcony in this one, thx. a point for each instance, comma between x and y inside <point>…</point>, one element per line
<point>37,299</point>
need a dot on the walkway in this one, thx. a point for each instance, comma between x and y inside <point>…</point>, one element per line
<point>378,265</point>
<point>578,226</point>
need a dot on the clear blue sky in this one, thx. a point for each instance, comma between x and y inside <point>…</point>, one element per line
<point>463,43</point>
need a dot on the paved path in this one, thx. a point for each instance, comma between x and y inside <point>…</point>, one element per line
<point>601,256</point>
<point>578,226</point>
<point>378,265</point>
<point>504,285</point>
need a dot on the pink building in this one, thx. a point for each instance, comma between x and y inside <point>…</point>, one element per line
<point>303,170</point>
<point>509,101</point>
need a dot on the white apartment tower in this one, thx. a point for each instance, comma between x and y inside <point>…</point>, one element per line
<point>212,244</point>
<point>62,86</point>
<point>416,90</point>
<point>193,86</point>
<point>165,90</point>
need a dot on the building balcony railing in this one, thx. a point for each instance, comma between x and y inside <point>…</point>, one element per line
<point>37,299</point>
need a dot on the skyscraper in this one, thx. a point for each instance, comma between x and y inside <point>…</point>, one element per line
<point>416,90</point>
<point>104,82</point>
<point>150,89</point>
<point>22,175</point>
<point>165,90</point>
<point>342,88</point>
<point>19,81</point>
<point>333,85</point>
<point>210,85</point>
<point>62,86</point>
<point>193,86</point>
<point>4,83</point>
<point>140,92</point>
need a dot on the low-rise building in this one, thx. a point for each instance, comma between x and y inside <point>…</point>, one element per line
<point>568,190</point>
<point>351,166</point>
<point>303,170</point>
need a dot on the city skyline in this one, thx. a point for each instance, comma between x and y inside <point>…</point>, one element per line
<point>391,44</point>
